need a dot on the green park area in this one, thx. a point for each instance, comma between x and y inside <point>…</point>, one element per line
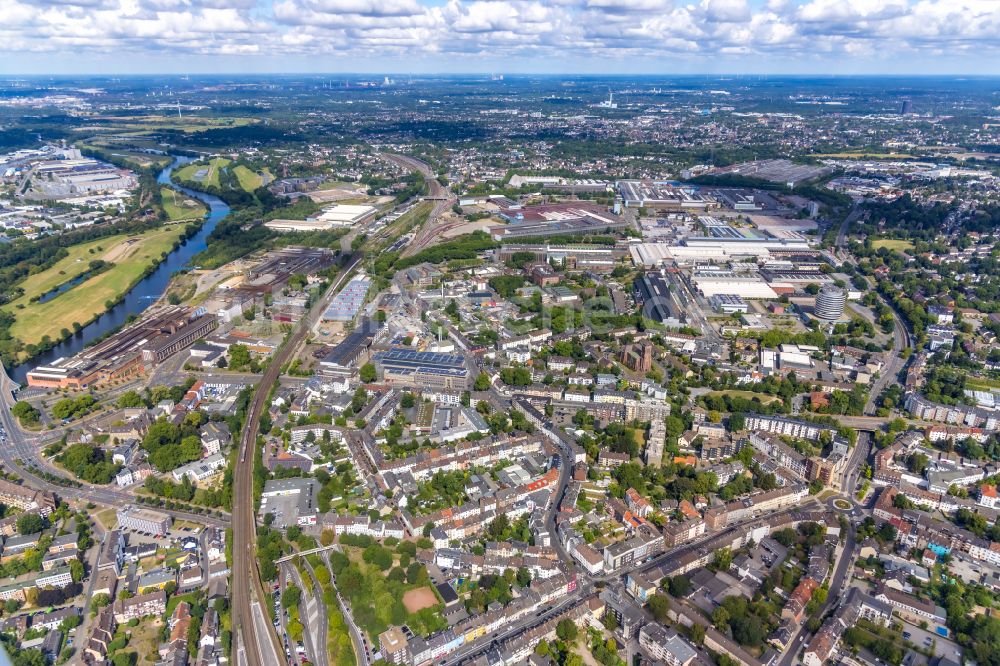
<point>747,395</point>
<point>891,244</point>
<point>180,207</point>
<point>199,172</point>
<point>249,179</point>
<point>126,257</point>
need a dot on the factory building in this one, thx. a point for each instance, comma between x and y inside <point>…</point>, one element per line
<point>337,215</point>
<point>717,282</point>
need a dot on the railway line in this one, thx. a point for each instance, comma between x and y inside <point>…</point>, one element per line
<point>248,594</point>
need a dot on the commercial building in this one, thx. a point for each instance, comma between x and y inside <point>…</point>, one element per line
<point>830,302</point>
<point>712,283</point>
<point>291,502</point>
<point>144,520</point>
<point>548,220</point>
<point>662,196</point>
<point>597,259</point>
<point>422,369</point>
<point>729,304</point>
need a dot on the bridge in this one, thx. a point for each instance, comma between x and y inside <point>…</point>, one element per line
<point>311,551</point>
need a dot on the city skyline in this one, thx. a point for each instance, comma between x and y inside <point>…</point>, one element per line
<point>481,36</point>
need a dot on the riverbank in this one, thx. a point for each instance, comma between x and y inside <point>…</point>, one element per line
<point>130,292</point>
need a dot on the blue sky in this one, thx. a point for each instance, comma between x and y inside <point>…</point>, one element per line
<point>554,36</point>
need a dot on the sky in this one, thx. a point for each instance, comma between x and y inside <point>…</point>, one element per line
<point>500,36</point>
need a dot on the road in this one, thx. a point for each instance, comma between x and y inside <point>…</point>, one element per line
<point>565,452</point>
<point>900,334</point>
<point>358,639</point>
<point>838,585</point>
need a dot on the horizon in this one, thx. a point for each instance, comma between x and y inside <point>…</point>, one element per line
<point>719,76</point>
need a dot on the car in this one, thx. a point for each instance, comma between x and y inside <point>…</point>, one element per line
<point>906,634</point>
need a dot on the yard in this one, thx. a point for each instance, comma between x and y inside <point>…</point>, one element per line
<point>108,519</point>
<point>130,255</point>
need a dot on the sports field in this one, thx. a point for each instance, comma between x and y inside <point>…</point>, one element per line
<point>206,175</point>
<point>180,206</point>
<point>131,255</point>
<point>888,243</point>
<point>418,599</point>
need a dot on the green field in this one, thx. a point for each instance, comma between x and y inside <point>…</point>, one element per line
<point>981,384</point>
<point>173,122</point>
<point>131,255</point>
<point>211,178</point>
<point>888,243</point>
<point>249,180</point>
<point>747,395</point>
<point>179,206</point>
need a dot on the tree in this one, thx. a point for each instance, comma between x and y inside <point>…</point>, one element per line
<point>76,570</point>
<point>30,523</point>
<point>291,597</point>
<point>368,373</point>
<point>25,413</point>
<point>239,356</point>
<point>125,658</point>
<point>100,601</point>
<point>498,527</point>
<point>30,657</point>
<point>482,382</point>
<point>566,631</point>
<point>129,400</point>
<point>659,606</point>
<point>697,633</point>
<point>917,463</point>
<point>723,559</point>
<point>523,577</point>
<point>679,586</point>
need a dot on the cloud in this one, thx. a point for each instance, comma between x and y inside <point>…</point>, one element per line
<point>462,31</point>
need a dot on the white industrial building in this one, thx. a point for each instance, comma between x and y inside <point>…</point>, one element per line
<point>337,215</point>
<point>715,283</point>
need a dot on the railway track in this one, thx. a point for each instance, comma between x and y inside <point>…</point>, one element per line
<point>247,583</point>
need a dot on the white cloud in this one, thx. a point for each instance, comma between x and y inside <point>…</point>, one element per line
<point>696,31</point>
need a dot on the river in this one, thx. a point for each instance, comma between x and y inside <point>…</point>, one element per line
<point>145,292</point>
